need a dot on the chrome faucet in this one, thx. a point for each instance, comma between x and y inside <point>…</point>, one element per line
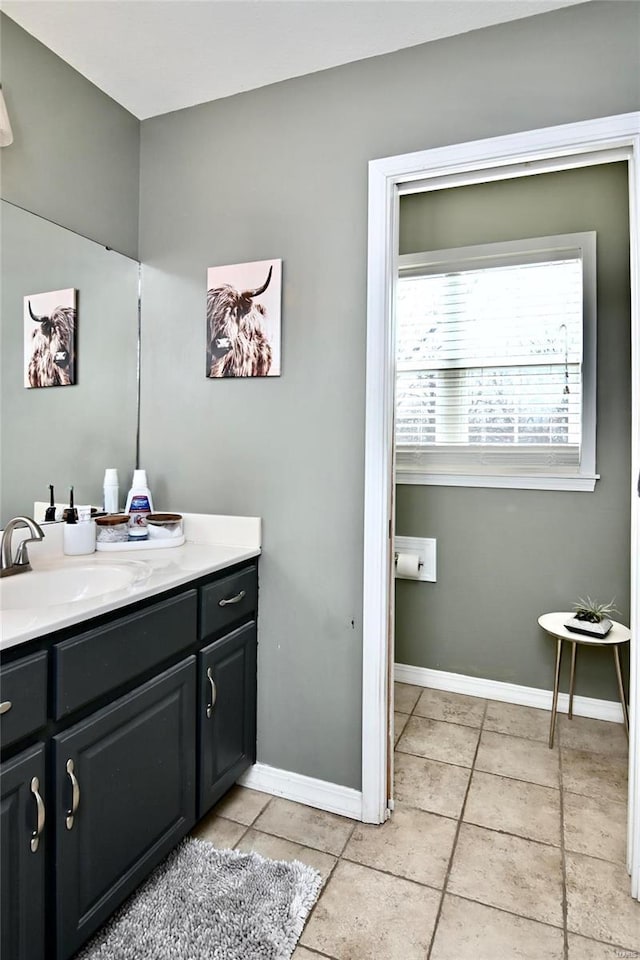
<point>21,564</point>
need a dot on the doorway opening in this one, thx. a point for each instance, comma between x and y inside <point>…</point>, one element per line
<point>487,165</point>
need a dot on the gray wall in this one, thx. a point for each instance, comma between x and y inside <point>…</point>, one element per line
<point>506,556</point>
<point>75,155</point>
<point>282,172</point>
<point>66,435</point>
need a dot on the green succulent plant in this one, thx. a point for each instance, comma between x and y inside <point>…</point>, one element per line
<point>592,611</point>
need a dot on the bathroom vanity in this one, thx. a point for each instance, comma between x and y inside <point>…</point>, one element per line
<point>123,729</point>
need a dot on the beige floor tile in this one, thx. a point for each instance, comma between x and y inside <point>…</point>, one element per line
<point>223,834</point>
<point>582,949</point>
<point>597,736</point>
<point>242,805</point>
<point>526,809</point>
<point>411,844</point>
<point>598,902</point>
<point>275,848</point>
<point>363,914</point>
<point>312,828</point>
<point>517,721</point>
<point>519,759</point>
<point>595,827</point>
<point>405,697</point>
<point>430,785</point>
<point>452,707</point>
<point>447,742</point>
<point>399,723</point>
<point>594,774</point>
<point>511,873</point>
<point>471,931</point>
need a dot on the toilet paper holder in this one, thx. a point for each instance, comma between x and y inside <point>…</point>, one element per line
<point>421,548</point>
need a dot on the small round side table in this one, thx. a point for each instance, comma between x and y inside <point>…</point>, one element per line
<point>554,624</point>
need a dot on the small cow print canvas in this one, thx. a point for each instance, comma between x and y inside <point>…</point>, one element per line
<point>243,319</point>
<point>50,339</point>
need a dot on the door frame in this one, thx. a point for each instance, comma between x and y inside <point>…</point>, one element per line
<point>567,146</point>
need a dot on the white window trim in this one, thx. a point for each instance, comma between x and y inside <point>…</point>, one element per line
<point>470,257</point>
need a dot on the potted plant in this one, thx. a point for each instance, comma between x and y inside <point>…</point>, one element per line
<point>591,617</point>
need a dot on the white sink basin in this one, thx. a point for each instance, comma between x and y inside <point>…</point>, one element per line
<point>53,586</point>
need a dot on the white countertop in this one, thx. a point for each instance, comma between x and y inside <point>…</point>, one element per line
<point>213,543</point>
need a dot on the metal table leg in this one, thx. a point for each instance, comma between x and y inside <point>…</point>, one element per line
<point>623,699</point>
<point>556,684</point>
<point>574,647</point>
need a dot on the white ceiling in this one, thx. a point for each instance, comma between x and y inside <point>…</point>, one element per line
<point>154,56</point>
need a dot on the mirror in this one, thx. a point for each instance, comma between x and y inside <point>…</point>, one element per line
<point>66,435</point>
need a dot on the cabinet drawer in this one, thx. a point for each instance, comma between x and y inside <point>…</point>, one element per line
<point>228,600</point>
<point>23,685</point>
<point>92,664</point>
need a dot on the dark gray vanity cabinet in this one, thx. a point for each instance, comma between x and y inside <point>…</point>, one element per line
<point>227,712</point>
<point>133,725</point>
<point>125,795</point>
<point>22,856</point>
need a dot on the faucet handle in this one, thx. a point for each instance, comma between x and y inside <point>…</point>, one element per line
<point>22,557</point>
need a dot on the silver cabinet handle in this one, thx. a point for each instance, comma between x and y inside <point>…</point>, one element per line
<point>5,706</point>
<point>75,795</point>
<point>35,836</point>
<point>214,693</point>
<point>238,597</point>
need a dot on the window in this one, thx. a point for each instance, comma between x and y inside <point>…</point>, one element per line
<point>495,365</point>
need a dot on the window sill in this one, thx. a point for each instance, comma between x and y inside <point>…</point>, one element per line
<point>543,482</point>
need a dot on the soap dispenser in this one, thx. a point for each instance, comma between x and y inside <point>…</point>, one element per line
<point>79,536</point>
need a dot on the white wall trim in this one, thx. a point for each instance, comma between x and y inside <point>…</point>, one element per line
<point>506,692</point>
<point>307,790</point>
<point>633,819</point>
<point>520,154</point>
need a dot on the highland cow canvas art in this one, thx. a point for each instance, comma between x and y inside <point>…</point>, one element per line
<point>243,319</point>
<point>50,339</point>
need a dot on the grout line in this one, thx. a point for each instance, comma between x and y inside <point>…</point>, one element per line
<point>455,841</point>
<point>395,876</point>
<point>314,953</point>
<point>517,836</point>
<point>434,813</point>
<point>260,812</point>
<point>240,838</point>
<point>325,883</point>
<point>351,833</point>
<point>308,846</point>
<point>492,773</point>
<point>520,916</point>
<point>461,766</point>
<point>592,856</point>
<point>563,861</point>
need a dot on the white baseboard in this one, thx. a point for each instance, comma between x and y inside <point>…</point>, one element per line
<point>507,692</point>
<point>308,790</point>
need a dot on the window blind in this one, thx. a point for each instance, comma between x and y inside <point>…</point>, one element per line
<point>489,366</point>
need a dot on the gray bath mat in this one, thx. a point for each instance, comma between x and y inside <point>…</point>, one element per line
<point>208,904</point>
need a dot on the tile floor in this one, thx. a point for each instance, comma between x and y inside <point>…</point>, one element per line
<point>499,848</point>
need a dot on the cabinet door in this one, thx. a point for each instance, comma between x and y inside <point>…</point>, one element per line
<point>22,855</point>
<point>125,795</point>
<point>227,713</point>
